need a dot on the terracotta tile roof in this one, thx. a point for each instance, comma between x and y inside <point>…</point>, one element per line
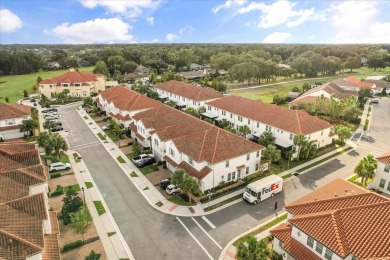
<point>362,231</point>
<point>198,139</point>
<point>338,187</point>
<point>72,77</point>
<point>51,250</point>
<point>359,83</point>
<point>304,100</point>
<point>189,169</point>
<point>384,158</point>
<point>8,111</point>
<point>292,246</point>
<point>55,229</point>
<point>189,91</point>
<point>120,117</point>
<point>293,121</point>
<point>16,160</point>
<point>129,100</point>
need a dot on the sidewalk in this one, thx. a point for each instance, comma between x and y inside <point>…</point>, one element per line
<point>360,130</point>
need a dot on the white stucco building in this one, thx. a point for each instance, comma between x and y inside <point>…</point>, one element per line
<point>382,175</point>
<point>11,117</point>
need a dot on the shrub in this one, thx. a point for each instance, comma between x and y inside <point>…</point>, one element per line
<point>72,245</point>
<point>154,167</point>
<point>55,175</point>
<point>59,191</point>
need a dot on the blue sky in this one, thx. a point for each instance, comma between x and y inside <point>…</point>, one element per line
<point>194,21</point>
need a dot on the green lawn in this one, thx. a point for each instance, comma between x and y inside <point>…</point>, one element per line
<point>133,174</point>
<point>120,159</point>
<point>111,233</point>
<point>111,135</point>
<point>179,201</point>
<point>75,187</point>
<point>99,207</point>
<point>88,184</point>
<point>266,94</point>
<point>146,170</point>
<point>101,136</point>
<point>76,156</point>
<point>64,158</point>
<point>13,86</point>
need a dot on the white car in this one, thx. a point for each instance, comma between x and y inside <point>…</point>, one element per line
<point>58,166</point>
<point>52,117</point>
<point>172,189</point>
<point>106,127</point>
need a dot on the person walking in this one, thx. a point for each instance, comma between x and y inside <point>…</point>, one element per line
<point>276,205</point>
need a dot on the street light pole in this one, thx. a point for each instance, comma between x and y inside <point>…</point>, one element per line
<point>82,189</point>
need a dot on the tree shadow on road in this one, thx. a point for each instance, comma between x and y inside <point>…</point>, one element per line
<point>368,139</point>
<point>353,153</point>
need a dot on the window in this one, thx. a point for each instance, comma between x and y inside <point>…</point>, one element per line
<point>329,254</point>
<point>257,153</point>
<point>194,103</point>
<point>231,115</point>
<point>382,183</point>
<point>257,167</point>
<point>258,124</point>
<point>171,152</point>
<point>184,99</point>
<point>223,113</point>
<point>247,170</point>
<point>291,136</point>
<point>266,128</point>
<point>233,175</point>
<point>319,248</point>
<point>229,176</point>
<point>190,161</point>
<point>209,108</point>
<point>65,85</point>
<point>222,177</point>
<point>388,186</point>
<point>310,241</point>
<point>77,85</point>
<point>322,133</point>
<point>240,118</point>
<point>249,121</point>
<point>84,93</point>
<point>280,243</point>
<point>387,168</point>
<point>248,156</point>
<point>227,164</point>
<point>156,142</point>
<point>42,87</point>
<point>51,86</point>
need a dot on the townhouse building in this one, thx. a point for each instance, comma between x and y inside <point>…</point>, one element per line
<point>79,84</point>
<point>284,123</point>
<point>122,104</point>
<point>11,117</point>
<point>382,175</point>
<point>337,221</point>
<point>28,230</point>
<point>208,153</point>
<point>186,95</point>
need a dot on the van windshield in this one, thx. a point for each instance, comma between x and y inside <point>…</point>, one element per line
<point>251,192</point>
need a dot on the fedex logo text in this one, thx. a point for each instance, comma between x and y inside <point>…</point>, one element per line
<point>271,188</point>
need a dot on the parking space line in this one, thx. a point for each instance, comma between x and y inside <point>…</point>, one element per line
<point>208,222</point>
<point>196,240</point>
<point>207,234</point>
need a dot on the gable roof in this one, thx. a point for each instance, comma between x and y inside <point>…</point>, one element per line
<point>9,111</point>
<point>304,100</point>
<point>331,88</point>
<point>72,77</point>
<point>384,158</point>
<point>293,121</point>
<point>128,100</point>
<point>189,91</point>
<point>359,83</point>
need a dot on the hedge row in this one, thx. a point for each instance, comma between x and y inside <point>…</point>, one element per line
<point>72,245</point>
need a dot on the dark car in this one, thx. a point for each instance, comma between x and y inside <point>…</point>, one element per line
<point>164,183</point>
<point>57,122</point>
<point>49,110</point>
<point>32,100</point>
<point>57,129</point>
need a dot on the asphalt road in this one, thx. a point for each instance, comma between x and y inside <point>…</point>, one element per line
<point>153,235</point>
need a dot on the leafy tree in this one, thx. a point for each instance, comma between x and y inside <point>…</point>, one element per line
<point>278,100</point>
<point>306,86</point>
<point>115,63</point>
<point>186,182</point>
<point>6,100</point>
<point>309,149</point>
<point>71,203</point>
<point>298,142</point>
<point>202,110</point>
<point>136,148</point>
<point>377,59</point>
<point>271,154</point>
<point>81,221</point>
<point>25,94</point>
<point>58,143</point>
<point>296,89</point>
<point>92,256</point>
<point>343,133</point>
<point>192,111</point>
<point>129,67</point>
<point>365,92</point>
<point>39,79</point>
<point>48,125</point>
<point>28,126</point>
<point>366,168</point>
<point>267,138</point>
<point>231,129</point>
<point>251,249</point>
<point>244,130</point>
<point>352,62</point>
<point>383,92</point>
<point>301,65</point>
<point>223,123</point>
<point>87,101</point>
<point>171,103</point>
<point>101,68</point>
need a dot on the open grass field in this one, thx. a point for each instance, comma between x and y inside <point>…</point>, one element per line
<point>13,86</point>
<point>267,93</point>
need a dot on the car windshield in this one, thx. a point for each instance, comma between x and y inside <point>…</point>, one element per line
<point>251,192</point>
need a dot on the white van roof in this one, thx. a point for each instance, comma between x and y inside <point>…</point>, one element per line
<point>265,181</point>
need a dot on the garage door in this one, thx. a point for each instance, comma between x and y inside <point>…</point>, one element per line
<point>11,135</point>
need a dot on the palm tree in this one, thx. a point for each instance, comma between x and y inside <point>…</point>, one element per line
<point>58,143</point>
<point>28,126</point>
<point>244,130</point>
<point>366,168</point>
<point>267,138</point>
<point>298,142</point>
<point>48,125</point>
<point>343,133</point>
<point>223,123</point>
<point>43,140</point>
<point>252,249</point>
<point>272,155</point>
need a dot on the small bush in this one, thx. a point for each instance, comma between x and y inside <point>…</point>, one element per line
<point>72,245</point>
<point>55,175</point>
<point>59,191</point>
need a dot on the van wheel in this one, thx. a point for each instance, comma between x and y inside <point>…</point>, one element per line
<point>173,193</point>
<point>273,194</point>
<point>67,168</point>
<point>255,202</point>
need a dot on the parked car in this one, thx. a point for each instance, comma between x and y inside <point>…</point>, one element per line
<point>52,109</point>
<point>375,101</point>
<point>58,166</point>
<point>165,183</point>
<point>57,129</point>
<point>143,160</point>
<point>106,127</point>
<point>52,117</point>
<point>57,122</point>
<point>50,114</point>
<point>172,189</point>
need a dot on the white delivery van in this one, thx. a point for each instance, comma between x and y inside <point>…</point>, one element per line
<point>263,189</point>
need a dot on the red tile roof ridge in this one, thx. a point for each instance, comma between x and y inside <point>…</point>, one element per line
<point>34,176</point>
<point>215,147</point>
<point>340,236</point>
<point>29,197</point>
<point>299,121</point>
<point>21,240</point>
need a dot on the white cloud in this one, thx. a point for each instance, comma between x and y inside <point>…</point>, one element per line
<point>351,15</point>
<point>188,29</point>
<point>9,21</point>
<point>156,40</point>
<point>376,33</point>
<point>172,37</point>
<point>128,8</point>
<point>277,37</point>
<point>281,12</point>
<point>95,31</point>
<point>150,20</point>
<point>228,4</point>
